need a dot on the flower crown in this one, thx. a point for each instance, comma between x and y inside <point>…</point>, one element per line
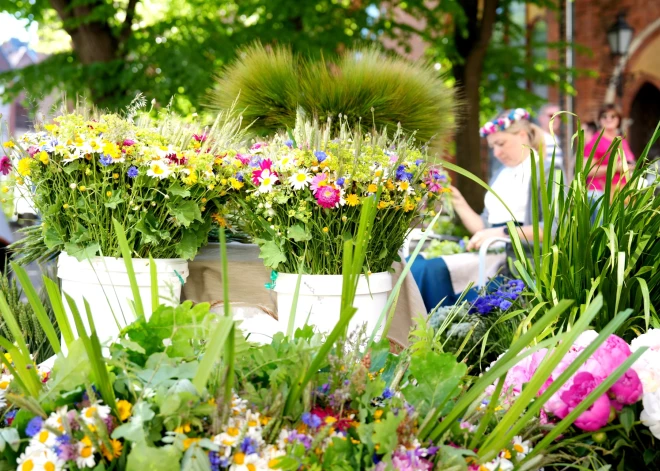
<point>500,124</point>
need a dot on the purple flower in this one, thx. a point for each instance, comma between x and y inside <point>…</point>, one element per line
<point>5,165</point>
<point>33,426</point>
<point>128,142</point>
<point>504,305</point>
<point>419,162</point>
<point>249,445</point>
<point>9,417</point>
<point>311,420</point>
<point>401,173</point>
<point>240,177</point>
<point>340,181</point>
<point>388,393</point>
<point>132,172</point>
<point>105,160</point>
<point>325,388</point>
<point>288,143</point>
<point>306,440</point>
<point>320,155</point>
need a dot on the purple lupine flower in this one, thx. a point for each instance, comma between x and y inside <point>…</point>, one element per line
<point>105,160</point>
<point>33,426</point>
<point>388,393</point>
<point>132,172</point>
<point>311,420</point>
<point>320,155</point>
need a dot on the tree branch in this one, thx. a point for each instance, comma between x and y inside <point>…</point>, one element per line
<point>128,21</point>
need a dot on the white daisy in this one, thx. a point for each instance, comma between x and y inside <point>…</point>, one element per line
<point>243,462</point>
<point>95,411</point>
<point>47,460</point>
<point>267,181</point>
<point>286,162</point>
<point>85,457</point>
<point>56,420</point>
<point>228,438</point>
<point>300,180</point>
<point>158,169</point>
<point>521,447</point>
<point>44,438</point>
<point>164,151</point>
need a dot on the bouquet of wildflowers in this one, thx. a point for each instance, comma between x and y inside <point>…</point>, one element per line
<point>163,180</point>
<point>301,195</point>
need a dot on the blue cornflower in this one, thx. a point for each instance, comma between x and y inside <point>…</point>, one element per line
<point>132,172</point>
<point>215,460</point>
<point>311,420</point>
<point>419,162</point>
<point>325,388</point>
<point>240,177</point>
<point>105,160</point>
<point>401,173</point>
<point>9,417</point>
<point>388,393</point>
<point>320,155</point>
<point>248,446</point>
<point>504,305</point>
<point>341,181</point>
<point>288,143</point>
<point>33,426</point>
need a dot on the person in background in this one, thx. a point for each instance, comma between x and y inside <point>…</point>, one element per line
<point>545,115</point>
<point>590,128</point>
<point>515,142</point>
<point>609,118</point>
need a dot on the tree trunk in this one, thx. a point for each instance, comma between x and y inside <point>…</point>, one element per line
<point>481,16</point>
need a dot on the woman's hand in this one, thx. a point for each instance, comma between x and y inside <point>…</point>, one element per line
<point>483,235</point>
<point>457,198</point>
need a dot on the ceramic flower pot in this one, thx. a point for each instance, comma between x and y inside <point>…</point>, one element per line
<point>104,283</point>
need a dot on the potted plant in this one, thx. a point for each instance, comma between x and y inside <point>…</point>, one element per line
<point>300,197</point>
<point>162,179</point>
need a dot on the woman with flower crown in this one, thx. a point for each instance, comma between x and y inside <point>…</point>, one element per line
<point>516,143</point>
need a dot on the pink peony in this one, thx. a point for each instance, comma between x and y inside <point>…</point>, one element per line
<point>327,197</point>
<point>595,416</point>
<point>319,181</point>
<point>627,390</point>
<point>521,373</point>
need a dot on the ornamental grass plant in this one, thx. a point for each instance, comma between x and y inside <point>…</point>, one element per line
<point>364,86</point>
<point>301,195</point>
<point>164,179</point>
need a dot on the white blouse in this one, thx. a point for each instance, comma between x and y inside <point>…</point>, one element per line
<point>512,185</point>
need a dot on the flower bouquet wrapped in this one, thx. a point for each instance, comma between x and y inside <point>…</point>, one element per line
<point>162,180</point>
<point>301,195</point>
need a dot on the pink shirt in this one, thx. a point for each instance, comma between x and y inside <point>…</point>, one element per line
<point>602,158</point>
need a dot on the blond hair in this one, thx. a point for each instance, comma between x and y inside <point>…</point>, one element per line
<point>534,133</point>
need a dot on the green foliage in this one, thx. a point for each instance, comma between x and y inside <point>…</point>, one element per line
<point>28,321</point>
<point>617,256</point>
<point>364,86</point>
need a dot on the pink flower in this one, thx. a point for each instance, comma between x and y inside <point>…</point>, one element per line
<point>32,150</point>
<point>327,197</point>
<point>200,137</point>
<point>521,373</point>
<point>128,142</point>
<point>319,181</point>
<point>265,164</point>
<point>245,159</point>
<point>258,146</point>
<point>595,416</point>
<point>627,390</point>
<point>5,165</point>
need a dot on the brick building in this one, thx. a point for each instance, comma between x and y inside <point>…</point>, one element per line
<point>638,73</point>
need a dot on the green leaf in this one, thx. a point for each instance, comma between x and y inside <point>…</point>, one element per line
<point>185,212</point>
<point>70,371</point>
<point>133,430</point>
<point>270,253</point>
<point>145,458</point>
<point>82,253</point>
<point>151,234</point>
<point>114,201</point>
<point>438,377</point>
<point>9,436</point>
<point>385,432</point>
<point>192,239</point>
<point>627,418</point>
<point>298,233</point>
<point>51,238</point>
<point>176,189</point>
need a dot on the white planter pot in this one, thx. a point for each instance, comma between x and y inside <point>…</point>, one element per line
<point>104,283</point>
<point>320,300</point>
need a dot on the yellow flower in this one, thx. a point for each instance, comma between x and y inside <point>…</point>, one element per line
<point>108,194</point>
<point>43,157</point>
<point>9,144</point>
<point>190,179</point>
<point>65,206</point>
<point>235,184</point>
<point>189,441</point>
<point>20,181</point>
<point>383,204</point>
<point>116,450</point>
<point>352,199</point>
<point>389,185</point>
<point>5,189</point>
<point>204,200</point>
<point>404,185</point>
<point>326,230</point>
<point>185,428</point>
<point>372,188</point>
<point>408,206</point>
<point>378,414</point>
<point>124,407</point>
<point>111,149</point>
<point>222,222</point>
<point>25,167</point>
<point>82,188</point>
<point>115,175</point>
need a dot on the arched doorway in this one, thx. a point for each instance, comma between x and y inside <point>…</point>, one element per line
<point>645,115</point>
